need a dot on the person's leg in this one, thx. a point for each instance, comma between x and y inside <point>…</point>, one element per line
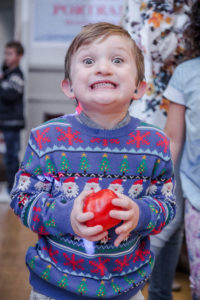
<point>12,140</point>
<point>166,259</point>
<point>192,230</point>
<point>166,247</point>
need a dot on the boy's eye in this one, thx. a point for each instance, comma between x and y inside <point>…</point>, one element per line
<point>117,60</point>
<point>88,61</point>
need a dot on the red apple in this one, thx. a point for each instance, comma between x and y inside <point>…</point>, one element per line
<point>100,204</point>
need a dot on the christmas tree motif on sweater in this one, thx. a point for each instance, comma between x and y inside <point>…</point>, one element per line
<point>46,273</point>
<point>124,165</point>
<point>151,225</point>
<point>50,168</point>
<point>142,273</point>
<point>156,166</point>
<point>116,288</point>
<point>105,165</point>
<point>37,170</point>
<point>31,262</point>
<point>84,165</point>
<point>101,292</point>
<point>53,204</point>
<point>50,223</point>
<point>153,209</point>
<point>30,159</point>
<point>82,288</point>
<point>63,283</point>
<point>163,171</point>
<point>143,165</point>
<point>64,164</point>
<point>129,280</point>
<point>151,262</point>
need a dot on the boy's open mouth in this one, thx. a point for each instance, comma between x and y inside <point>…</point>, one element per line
<point>103,84</point>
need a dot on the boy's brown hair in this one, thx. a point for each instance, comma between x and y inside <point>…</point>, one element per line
<point>92,32</point>
<point>17,46</point>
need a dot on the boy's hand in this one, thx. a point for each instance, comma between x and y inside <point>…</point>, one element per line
<point>129,214</point>
<point>78,218</point>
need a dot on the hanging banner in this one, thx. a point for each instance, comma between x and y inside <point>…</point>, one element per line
<point>60,20</point>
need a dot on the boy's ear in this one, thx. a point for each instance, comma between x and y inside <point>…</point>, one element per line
<point>67,89</point>
<point>141,89</point>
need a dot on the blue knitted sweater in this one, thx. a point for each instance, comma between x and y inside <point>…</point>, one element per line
<point>62,158</point>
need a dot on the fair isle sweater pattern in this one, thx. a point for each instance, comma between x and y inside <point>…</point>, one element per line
<point>64,157</point>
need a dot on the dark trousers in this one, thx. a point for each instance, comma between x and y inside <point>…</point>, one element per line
<point>11,160</point>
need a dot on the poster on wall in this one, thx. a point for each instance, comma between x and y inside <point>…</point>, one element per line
<point>60,20</point>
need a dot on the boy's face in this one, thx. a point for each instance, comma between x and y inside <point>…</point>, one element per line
<point>11,58</point>
<point>103,75</point>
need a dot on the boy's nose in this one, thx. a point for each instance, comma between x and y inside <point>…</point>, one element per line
<point>103,67</point>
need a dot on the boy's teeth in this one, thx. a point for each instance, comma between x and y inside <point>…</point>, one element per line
<point>102,85</point>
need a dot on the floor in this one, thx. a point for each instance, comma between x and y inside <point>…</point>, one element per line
<point>14,241</point>
<point>184,294</point>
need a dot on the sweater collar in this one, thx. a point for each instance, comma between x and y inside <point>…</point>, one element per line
<point>84,119</point>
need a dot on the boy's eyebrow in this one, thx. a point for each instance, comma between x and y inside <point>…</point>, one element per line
<point>86,47</point>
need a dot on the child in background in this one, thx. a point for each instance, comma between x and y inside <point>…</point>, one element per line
<point>103,147</point>
<point>183,127</point>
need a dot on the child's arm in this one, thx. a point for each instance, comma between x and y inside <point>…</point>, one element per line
<point>37,208</point>
<point>175,128</point>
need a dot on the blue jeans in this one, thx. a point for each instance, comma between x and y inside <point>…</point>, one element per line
<point>166,259</point>
<point>11,160</point>
<point>166,247</point>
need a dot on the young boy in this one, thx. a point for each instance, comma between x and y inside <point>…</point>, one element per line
<point>11,106</point>
<point>102,147</point>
